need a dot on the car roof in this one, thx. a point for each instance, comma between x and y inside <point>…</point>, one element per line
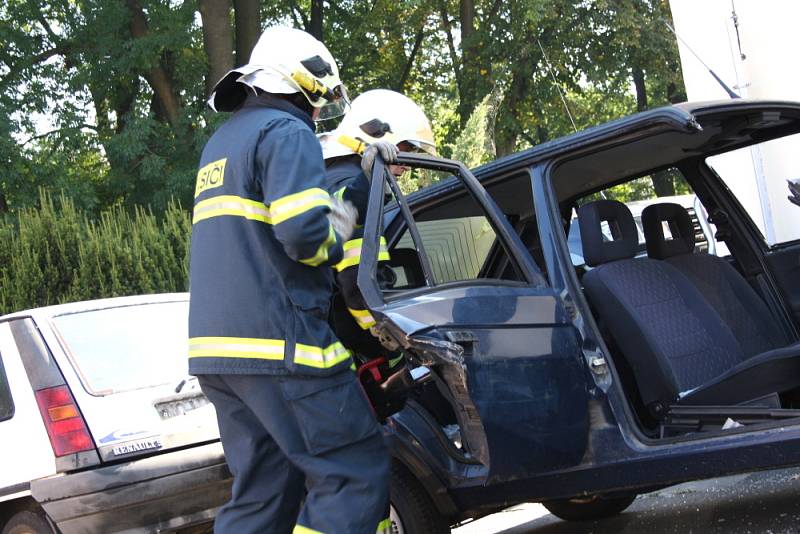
<point>97,304</point>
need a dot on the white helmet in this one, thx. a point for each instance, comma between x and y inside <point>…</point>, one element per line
<point>285,61</point>
<point>382,115</point>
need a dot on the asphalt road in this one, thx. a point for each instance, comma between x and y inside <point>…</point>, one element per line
<point>765,502</point>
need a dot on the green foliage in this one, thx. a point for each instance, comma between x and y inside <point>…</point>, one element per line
<point>81,109</point>
<point>102,106</point>
<point>54,253</point>
<point>475,143</point>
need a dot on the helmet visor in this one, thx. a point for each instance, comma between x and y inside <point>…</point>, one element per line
<point>336,107</point>
<point>422,147</point>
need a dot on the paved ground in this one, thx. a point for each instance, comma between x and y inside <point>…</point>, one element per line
<point>767,502</point>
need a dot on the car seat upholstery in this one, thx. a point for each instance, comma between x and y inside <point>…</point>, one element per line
<point>680,349</point>
<point>722,286</point>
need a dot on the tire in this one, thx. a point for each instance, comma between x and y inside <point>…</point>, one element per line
<point>412,510</point>
<point>28,522</point>
<point>589,508</point>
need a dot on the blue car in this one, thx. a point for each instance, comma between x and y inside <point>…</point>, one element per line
<point>669,353</point>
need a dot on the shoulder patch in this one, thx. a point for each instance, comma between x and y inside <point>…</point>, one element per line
<point>210,176</point>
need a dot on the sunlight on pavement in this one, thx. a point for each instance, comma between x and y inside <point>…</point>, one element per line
<point>508,518</point>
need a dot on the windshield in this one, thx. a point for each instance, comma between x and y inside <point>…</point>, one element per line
<point>126,348</point>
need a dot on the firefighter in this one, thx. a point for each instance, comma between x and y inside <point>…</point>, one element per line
<point>384,121</point>
<point>264,235</point>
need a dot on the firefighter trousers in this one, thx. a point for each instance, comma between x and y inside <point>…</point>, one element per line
<point>279,432</point>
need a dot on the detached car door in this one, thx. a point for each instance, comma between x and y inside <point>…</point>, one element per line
<point>465,299</point>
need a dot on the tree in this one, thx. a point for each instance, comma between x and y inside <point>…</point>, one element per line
<point>105,99</point>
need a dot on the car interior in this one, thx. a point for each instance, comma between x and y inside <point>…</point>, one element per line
<point>698,340</point>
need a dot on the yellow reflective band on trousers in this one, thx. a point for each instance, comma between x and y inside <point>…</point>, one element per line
<point>352,253</point>
<point>384,527</point>
<point>277,212</point>
<point>322,252</point>
<point>363,318</point>
<point>267,349</point>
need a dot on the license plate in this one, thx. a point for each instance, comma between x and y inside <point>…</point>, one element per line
<point>179,405</point>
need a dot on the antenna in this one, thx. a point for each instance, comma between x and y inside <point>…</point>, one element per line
<point>735,18</point>
<point>555,82</point>
<point>714,74</point>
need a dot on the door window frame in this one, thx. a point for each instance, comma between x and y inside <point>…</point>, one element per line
<point>373,226</point>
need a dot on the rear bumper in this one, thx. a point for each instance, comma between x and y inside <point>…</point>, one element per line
<point>164,492</point>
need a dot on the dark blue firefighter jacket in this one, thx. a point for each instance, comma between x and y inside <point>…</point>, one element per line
<point>261,249</point>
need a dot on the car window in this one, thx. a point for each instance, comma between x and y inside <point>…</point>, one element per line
<point>126,348</point>
<point>458,240</point>
<point>758,177</point>
<point>666,186</point>
<point>457,247</point>
<point>6,402</point>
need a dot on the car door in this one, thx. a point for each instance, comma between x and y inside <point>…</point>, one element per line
<point>499,338</point>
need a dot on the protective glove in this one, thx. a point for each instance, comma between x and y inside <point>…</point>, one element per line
<point>343,216</point>
<point>387,150</point>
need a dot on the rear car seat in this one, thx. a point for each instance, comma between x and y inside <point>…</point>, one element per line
<point>723,287</point>
<point>680,349</point>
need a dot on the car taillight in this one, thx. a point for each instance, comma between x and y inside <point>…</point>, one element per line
<point>64,423</point>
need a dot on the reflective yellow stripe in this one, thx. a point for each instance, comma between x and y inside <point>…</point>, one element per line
<point>340,193</point>
<point>322,252</point>
<point>292,205</point>
<point>231,205</point>
<point>352,253</point>
<point>384,527</point>
<point>320,358</point>
<point>236,347</point>
<point>266,349</point>
<point>278,211</point>
<point>362,317</point>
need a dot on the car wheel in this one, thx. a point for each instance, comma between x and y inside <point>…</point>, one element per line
<point>589,508</point>
<point>28,522</point>
<point>412,510</point>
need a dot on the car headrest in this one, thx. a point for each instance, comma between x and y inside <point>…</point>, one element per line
<point>660,243</point>
<point>599,248</point>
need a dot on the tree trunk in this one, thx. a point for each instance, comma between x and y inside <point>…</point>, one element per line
<point>315,23</point>
<point>662,181</point>
<point>3,203</point>
<point>156,76</point>
<point>663,184</point>
<point>217,39</point>
<point>507,126</point>
<point>248,28</point>
<point>469,92</point>
<point>401,84</point>
<point>448,30</point>
<point>641,89</point>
